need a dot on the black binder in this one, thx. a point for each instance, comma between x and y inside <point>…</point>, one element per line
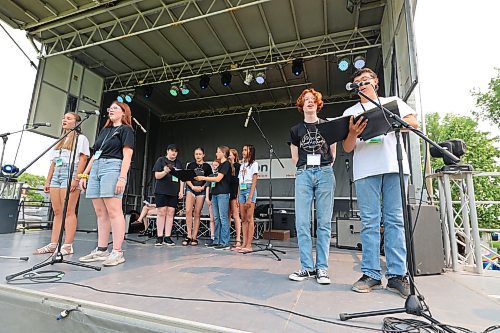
<point>184,175</point>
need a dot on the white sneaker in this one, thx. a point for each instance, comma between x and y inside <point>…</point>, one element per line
<point>322,276</point>
<point>95,255</point>
<point>115,258</point>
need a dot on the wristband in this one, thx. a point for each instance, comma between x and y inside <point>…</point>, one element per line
<point>83,176</point>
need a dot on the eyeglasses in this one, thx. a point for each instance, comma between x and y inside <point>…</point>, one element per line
<point>363,79</point>
<point>113,109</point>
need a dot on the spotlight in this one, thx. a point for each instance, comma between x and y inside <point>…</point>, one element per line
<point>148,91</point>
<point>260,78</point>
<point>248,78</point>
<point>10,169</point>
<point>343,64</point>
<point>225,79</point>
<point>359,62</point>
<point>297,66</point>
<point>184,89</point>
<point>174,90</point>
<point>204,81</point>
<point>128,97</point>
<point>120,98</point>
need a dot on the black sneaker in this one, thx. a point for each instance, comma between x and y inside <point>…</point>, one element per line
<point>302,275</point>
<point>366,284</point>
<point>159,241</point>
<point>209,243</point>
<point>169,241</point>
<point>222,247</point>
<point>400,285</point>
<point>322,276</point>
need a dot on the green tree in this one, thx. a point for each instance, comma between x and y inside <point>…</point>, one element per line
<point>489,101</point>
<point>481,154</point>
<point>33,181</point>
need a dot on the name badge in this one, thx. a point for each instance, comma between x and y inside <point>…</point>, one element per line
<point>97,154</point>
<point>375,140</point>
<point>175,179</point>
<point>313,159</point>
<point>243,186</point>
<point>58,161</point>
<point>212,185</point>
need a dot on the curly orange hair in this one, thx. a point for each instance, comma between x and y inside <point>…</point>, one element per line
<point>317,95</point>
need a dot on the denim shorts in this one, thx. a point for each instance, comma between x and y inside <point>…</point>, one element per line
<point>103,178</point>
<point>244,194</point>
<point>61,175</point>
<point>188,189</point>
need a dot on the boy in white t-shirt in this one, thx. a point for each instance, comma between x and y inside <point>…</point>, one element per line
<point>375,171</point>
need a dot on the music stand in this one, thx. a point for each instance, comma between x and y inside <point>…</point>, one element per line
<point>269,247</point>
<point>413,304</point>
<point>58,257</point>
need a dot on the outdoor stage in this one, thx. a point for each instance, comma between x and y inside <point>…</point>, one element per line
<point>461,299</point>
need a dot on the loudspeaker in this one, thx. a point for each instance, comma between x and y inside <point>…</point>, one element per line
<point>285,221</point>
<point>87,220</point>
<point>8,215</point>
<point>427,240</point>
<point>348,233</point>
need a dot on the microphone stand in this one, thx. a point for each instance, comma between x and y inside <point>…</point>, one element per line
<point>58,258</point>
<point>5,137</point>
<point>413,304</point>
<point>269,247</point>
<point>351,203</point>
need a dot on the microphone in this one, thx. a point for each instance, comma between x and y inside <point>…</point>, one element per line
<point>248,117</point>
<point>139,124</point>
<point>36,125</point>
<point>351,86</point>
<point>92,112</point>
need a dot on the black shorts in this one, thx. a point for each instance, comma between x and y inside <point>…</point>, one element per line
<point>233,191</point>
<point>163,200</point>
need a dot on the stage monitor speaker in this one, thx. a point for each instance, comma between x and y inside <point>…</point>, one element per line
<point>285,221</point>
<point>427,240</point>
<point>8,215</point>
<point>348,233</point>
<point>87,220</point>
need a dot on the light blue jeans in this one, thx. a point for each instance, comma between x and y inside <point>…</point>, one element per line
<point>220,205</point>
<point>380,194</point>
<point>314,183</point>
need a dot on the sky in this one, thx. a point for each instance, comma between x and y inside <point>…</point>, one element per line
<point>456,53</point>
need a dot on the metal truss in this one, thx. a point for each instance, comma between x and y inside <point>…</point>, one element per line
<point>459,220</point>
<point>243,109</point>
<point>136,24</point>
<point>339,43</point>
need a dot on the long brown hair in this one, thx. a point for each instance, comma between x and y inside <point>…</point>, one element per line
<point>127,117</point>
<point>225,151</point>
<point>68,142</point>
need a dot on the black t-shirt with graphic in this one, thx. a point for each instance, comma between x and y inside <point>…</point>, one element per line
<point>114,139</point>
<point>203,169</point>
<point>224,186</point>
<point>309,140</point>
<point>168,185</point>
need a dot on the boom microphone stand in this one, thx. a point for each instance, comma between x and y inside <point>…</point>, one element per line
<point>58,257</point>
<point>269,247</point>
<point>413,304</point>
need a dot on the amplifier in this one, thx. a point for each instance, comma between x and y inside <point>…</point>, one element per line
<point>284,221</point>
<point>348,233</point>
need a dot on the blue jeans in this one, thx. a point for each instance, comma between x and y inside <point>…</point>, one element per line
<point>220,205</point>
<point>380,194</point>
<point>319,183</point>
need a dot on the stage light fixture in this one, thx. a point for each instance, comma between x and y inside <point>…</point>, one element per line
<point>204,81</point>
<point>343,64</point>
<point>297,66</point>
<point>359,62</point>
<point>260,78</point>
<point>129,97</point>
<point>248,78</point>
<point>184,89</point>
<point>120,98</point>
<point>174,90</point>
<point>10,169</point>
<point>225,79</point>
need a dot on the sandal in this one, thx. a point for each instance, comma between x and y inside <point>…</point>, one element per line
<point>186,241</point>
<point>245,250</point>
<point>67,249</point>
<point>194,242</point>
<point>49,248</point>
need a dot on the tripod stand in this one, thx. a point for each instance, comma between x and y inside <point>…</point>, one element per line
<point>269,247</point>
<point>58,257</point>
<point>413,304</point>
